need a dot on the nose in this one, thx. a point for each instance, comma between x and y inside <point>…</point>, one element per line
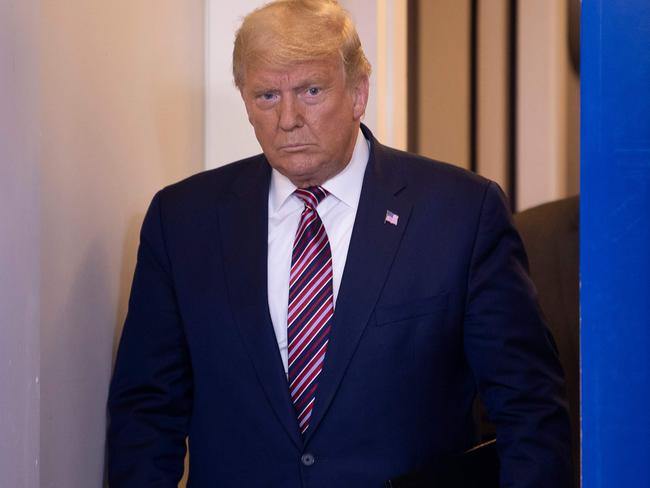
<point>290,116</point>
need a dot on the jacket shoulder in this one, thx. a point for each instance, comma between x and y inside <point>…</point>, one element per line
<point>203,190</point>
<point>217,181</point>
<point>435,178</point>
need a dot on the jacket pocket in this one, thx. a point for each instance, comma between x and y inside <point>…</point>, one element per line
<point>389,314</point>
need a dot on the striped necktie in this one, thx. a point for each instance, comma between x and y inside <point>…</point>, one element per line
<point>311,305</point>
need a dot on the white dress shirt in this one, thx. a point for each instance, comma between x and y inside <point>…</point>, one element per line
<point>337,212</point>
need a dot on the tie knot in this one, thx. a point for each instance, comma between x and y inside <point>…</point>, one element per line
<point>312,195</point>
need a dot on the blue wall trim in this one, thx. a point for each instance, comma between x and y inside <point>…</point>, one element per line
<point>615,240</point>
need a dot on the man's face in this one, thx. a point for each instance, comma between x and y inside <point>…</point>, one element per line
<point>306,117</point>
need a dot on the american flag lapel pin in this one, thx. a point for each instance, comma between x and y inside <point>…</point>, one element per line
<point>391,218</point>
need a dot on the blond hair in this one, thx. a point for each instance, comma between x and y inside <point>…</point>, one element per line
<point>286,32</point>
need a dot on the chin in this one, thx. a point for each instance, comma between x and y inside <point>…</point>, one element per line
<point>303,176</point>
<point>300,167</point>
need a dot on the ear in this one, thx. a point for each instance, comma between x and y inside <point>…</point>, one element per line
<point>360,97</point>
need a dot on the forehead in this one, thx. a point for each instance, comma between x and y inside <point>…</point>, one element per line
<point>266,75</point>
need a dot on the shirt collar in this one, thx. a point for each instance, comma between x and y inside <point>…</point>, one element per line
<point>345,186</point>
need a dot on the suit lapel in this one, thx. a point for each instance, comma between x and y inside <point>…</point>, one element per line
<point>372,249</point>
<point>244,233</point>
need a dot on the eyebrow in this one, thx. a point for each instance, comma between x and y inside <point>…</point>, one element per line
<point>310,80</point>
<point>261,91</point>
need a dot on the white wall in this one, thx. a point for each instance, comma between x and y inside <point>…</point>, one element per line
<point>228,134</point>
<point>382,27</point>
<point>102,104</point>
<point>364,13</point>
<point>548,105</point>
<point>122,88</point>
<point>19,248</point>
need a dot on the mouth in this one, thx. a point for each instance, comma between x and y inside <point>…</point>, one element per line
<point>294,147</point>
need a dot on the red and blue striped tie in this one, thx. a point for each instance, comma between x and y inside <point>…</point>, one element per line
<point>311,305</point>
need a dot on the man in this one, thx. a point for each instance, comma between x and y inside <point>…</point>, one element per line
<point>551,235</point>
<point>323,314</point>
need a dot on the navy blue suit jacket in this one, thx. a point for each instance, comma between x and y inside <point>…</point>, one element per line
<point>429,311</point>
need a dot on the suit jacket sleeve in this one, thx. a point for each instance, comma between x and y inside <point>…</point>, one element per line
<point>150,395</point>
<point>513,356</point>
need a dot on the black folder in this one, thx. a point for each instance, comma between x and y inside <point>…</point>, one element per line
<point>476,468</point>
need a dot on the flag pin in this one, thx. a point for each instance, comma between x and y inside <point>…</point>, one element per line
<point>391,218</point>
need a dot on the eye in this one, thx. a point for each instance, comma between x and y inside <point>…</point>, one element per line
<point>313,91</point>
<point>266,99</point>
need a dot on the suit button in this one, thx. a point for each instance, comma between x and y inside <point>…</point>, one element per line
<point>307,459</point>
